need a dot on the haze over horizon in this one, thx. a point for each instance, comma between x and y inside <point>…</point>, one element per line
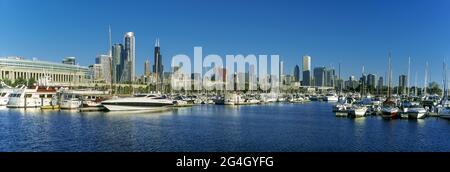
<point>351,32</point>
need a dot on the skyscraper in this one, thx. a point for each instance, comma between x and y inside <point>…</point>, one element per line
<point>307,70</point>
<point>281,74</point>
<point>306,63</point>
<point>297,73</point>
<point>130,54</point>
<point>402,83</point>
<point>330,77</point>
<point>69,60</point>
<point>104,62</point>
<point>371,81</point>
<point>380,85</point>
<point>319,76</point>
<point>118,59</point>
<point>158,68</point>
<point>252,77</point>
<point>147,68</point>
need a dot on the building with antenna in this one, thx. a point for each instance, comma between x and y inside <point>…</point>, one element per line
<point>158,67</point>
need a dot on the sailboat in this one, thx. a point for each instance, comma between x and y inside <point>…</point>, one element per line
<point>445,104</point>
<point>359,109</point>
<point>389,109</point>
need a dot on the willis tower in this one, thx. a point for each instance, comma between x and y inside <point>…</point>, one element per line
<point>158,68</point>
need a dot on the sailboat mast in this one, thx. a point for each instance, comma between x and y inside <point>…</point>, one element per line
<point>425,81</point>
<point>445,81</point>
<point>415,85</point>
<point>110,60</point>
<point>363,81</point>
<point>339,79</point>
<point>389,75</point>
<point>409,75</point>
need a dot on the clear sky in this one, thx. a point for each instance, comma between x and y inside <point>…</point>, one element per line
<point>350,32</point>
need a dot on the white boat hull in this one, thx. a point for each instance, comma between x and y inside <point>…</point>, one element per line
<point>30,102</point>
<point>4,101</point>
<point>132,108</point>
<point>416,113</point>
<point>331,99</point>
<point>70,104</point>
<point>360,112</point>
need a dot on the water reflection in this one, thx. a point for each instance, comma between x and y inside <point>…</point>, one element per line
<point>268,127</point>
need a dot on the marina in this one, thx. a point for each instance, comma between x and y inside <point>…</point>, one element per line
<point>266,127</point>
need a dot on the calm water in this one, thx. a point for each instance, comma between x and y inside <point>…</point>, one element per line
<point>276,127</point>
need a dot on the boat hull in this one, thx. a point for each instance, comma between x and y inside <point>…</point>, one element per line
<point>416,115</point>
<point>357,113</point>
<point>112,107</point>
<point>389,115</point>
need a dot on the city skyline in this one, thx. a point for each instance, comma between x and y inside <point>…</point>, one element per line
<point>293,30</point>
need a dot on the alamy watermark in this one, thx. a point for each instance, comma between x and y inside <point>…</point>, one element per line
<point>240,72</point>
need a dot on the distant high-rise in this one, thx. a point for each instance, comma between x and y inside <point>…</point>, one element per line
<point>402,83</point>
<point>297,73</point>
<point>306,63</point>
<point>158,68</point>
<point>105,64</point>
<point>130,53</point>
<point>281,74</point>
<point>319,76</point>
<point>307,79</point>
<point>252,85</point>
<point>380,85</point>
<point>147,67</point>
<point>371,81</point>
<point>330,78</point>
<point>69,60</point>
<point>118,58</point>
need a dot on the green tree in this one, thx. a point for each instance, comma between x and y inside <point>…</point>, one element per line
<point>434,88</point>
<point>31,82</point>
<point>20,81</point>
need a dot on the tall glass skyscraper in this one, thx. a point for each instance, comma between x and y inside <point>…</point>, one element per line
<point>307,71</point>
<point>297,73</point>
<point>130,53</point>
<point>117,61</point>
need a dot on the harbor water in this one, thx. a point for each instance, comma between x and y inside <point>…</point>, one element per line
<point>278,127</point>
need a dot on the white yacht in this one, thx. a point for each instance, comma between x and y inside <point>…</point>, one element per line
<point>331,97</point>
<point>445,113</point>
<point>357,111</point>
<point>35,96</point>
<point>138,102</point>
<point>269,97</point>
<point>4,95</point>
<point>416,112</point>
<point>343,105</point>
<point>74,99</point>
<point>70,103</point>
<point>233,99</point>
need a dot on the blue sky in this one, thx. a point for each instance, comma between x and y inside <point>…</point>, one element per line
<point>350,32</point>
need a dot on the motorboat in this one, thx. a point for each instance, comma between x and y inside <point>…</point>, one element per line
<point>74,99</point>
<point>35,96</point>
<point>148,102</point>
<point>357,111</point>
<point>331,97</point>
<point>343,105</point>
<point>416,112</point>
